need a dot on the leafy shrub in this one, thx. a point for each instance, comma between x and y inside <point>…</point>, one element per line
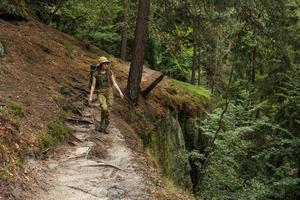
<point>254,156</point>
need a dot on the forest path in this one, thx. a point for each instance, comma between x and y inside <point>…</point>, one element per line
<point>99,167</point>
<point>95,165</point>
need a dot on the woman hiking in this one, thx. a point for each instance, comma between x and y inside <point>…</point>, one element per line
<point>102,82</point>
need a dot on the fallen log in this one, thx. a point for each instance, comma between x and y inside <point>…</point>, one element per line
<point>82,190</point>
<point>147,91</point>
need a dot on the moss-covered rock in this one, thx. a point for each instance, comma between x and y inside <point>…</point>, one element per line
<point>168,147</point>
<point>196,142</point>
<point>194,139</point>
<point>181,93</point>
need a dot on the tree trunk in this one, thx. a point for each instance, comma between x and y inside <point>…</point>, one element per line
<point>216,58</point>
<point>253,65</point>
<point>253,62</point>
<point>136,66</point>
<point>195,54</point>
<point>55,11</point>
<point>199,70</point>
<point>124,30</point>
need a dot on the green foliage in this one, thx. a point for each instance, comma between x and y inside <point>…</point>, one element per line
<point>253,157</point>
<point>67,43</point>
<point>64,114</point>
<point>14,10</point>
<point>94,20</point>
<point>188,94</point>
<point>5,175</point>
<point>17,108</point>
<point>46,139</point>
<point>197,91</point>
<point>3,71</point>
<point>167,145</point>
<point>56,133</point>
<point>58,129</point>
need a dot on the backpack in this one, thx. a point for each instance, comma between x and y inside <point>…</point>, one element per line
<point>93,69</point>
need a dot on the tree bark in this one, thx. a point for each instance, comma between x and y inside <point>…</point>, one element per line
<point>253,65</point>
<point>253,62</point>
<point>195,48</point>
<point>136,66</point>
<point>124,30</point>
<point>199,71</point>
<point>55,11</point>
<point>196,38</point>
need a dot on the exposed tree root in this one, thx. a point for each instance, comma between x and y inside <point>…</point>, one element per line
<point>104,165</point>
<point>82,190</point>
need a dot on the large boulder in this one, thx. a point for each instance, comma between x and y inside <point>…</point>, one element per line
<point>168,147</point>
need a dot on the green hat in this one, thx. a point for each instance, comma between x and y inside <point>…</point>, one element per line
<point>103,59</point>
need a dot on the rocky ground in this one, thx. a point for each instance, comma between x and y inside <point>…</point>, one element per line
<point>97,166</point>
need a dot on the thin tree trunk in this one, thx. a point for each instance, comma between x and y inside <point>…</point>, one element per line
<point>195,43</point>
<point>199,68</point>
<point>124,30</point>
<point>136,66</point>
<point>55,11</point>
<point>253,62</point>
<point>253,65</point>
<point>216,63</point>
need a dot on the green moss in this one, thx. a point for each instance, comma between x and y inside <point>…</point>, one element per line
<point>64,114</point>
<point>20,161</point>
<point>187,93</point>
<point>67,43</point>
<point>167,146</point>
<point>46,140</point>
<point>5,175</point>
<point>18,123</point>
<point>58,129</point>
<point>17,108</point>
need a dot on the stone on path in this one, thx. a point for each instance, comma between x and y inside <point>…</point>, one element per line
<point>2,52</point>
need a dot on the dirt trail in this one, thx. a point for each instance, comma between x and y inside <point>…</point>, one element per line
<point>76,174</point>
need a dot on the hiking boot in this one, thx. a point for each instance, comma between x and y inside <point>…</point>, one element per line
<point>102,130</point>
<point>98,127</point>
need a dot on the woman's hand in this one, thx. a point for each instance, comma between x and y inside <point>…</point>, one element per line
<point>90,101</point>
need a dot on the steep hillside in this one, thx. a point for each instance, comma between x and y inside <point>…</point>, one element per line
<point>43,72</point>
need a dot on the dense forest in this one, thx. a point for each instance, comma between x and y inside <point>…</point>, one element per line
<point>245,52</point>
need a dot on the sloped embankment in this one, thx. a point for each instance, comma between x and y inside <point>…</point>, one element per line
<point>169,123</point>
